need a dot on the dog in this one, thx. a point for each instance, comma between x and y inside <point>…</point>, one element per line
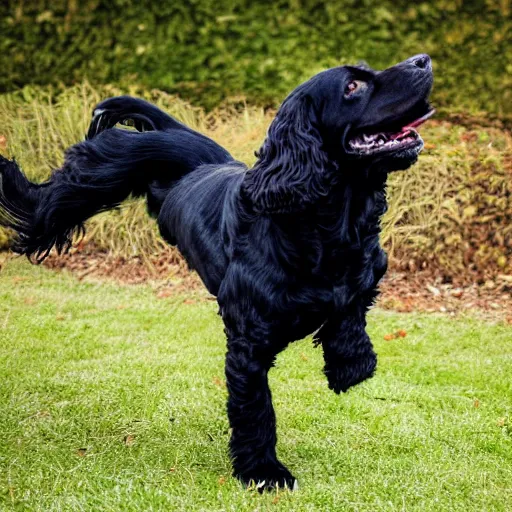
<point>289,247</point>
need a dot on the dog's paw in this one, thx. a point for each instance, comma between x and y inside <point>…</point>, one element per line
<point>268,476</point>
<point>349,372</point>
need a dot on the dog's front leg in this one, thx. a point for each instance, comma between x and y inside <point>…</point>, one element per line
<point>252,417</point>
<point>348,352</point>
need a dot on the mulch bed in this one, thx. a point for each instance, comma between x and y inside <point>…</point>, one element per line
<point>400,291</point>
<point>423,291</point>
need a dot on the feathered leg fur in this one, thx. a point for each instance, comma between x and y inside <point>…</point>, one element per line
<point>348,352</point>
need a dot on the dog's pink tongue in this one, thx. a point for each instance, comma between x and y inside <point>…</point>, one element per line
<point>421,120</point>
<point>411,127</point>
<point>400,135</point>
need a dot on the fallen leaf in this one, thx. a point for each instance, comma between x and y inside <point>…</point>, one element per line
<point>303,357</point>
<point>81,452</point>
<point>433,290</point>
<point>163,294</point>
<point>129,440</point>
<point>219,382</point>
<point>398,334</point>
<point>18,279</point>
<point>476,403</point>
<point>189,301</point>
<point>222,480</point>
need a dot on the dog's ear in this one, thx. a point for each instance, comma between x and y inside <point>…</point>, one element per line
<point>290,171</point>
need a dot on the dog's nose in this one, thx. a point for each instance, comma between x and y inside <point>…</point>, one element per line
<point>421,61</point>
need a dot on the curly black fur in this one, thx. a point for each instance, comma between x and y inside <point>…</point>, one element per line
<point>289,247</point>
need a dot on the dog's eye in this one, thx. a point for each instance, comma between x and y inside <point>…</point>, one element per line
<point>354,86</point>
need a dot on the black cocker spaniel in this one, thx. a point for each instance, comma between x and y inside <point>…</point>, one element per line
<point>289,246</point>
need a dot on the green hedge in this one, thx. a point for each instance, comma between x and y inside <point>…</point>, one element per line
<point>209,50</point>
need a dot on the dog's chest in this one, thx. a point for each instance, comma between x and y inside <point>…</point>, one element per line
<point>350,254</point>
<point>349,261</point>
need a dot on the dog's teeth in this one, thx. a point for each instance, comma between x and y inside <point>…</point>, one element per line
<point>295,485</point>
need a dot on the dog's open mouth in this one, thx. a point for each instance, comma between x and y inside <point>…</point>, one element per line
<point>386,141</point>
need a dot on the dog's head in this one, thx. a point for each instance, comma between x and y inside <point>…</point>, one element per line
<point>342,120</point>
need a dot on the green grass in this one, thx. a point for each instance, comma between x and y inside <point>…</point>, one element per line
<point>84,365</point>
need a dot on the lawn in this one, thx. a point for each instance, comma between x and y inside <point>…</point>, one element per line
<point>113,399</point>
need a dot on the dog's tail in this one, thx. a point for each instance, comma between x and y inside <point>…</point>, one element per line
<point>97,175</point>
<point>131,112</point>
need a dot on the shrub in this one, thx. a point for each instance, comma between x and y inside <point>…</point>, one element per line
<point>209,50</point>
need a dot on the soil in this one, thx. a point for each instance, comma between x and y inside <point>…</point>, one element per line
<point>401,291</point>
